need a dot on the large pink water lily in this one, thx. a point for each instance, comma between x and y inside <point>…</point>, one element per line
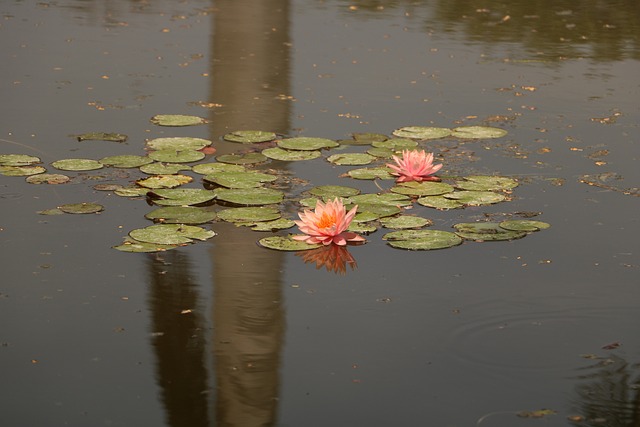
<point>415,165</point>
<point>327,224</point>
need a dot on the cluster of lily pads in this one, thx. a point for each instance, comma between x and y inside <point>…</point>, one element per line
<point>233,189</point>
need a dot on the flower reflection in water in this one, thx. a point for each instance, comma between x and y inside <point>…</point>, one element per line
<point>332,257</point>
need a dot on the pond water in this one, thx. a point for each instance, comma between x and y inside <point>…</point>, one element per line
<point>225,332</point>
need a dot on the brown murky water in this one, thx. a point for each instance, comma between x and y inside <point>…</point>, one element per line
<point>227,333</point>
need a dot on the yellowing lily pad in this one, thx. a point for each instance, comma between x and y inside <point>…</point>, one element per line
<point>181,215</point>
<point>242,159</point>
<point>134,246</point>
<point>249,136</point>
<point>281,243</point>
<point>212,168</point>
<point>396,144</point>
<point>333,191</point>
<point>163,168</point>
<point>164,181</point>
<point>170,234</point>
<point>478,132</point>
<point>243,179</point>
<point>177,120</point>
<point>475,198</point>
<point>306,143</point>
<point>277,153</point>
<point>422,132</point>
<point>102,136</point>
<point>17,160</point>
<point>81,208</point>
<point>173,156</point>
<point>131,191</point>
<point>77,164</point>
<point>351,159</point>
<point>178,143</point>
<point>249,214</point>
<point>371,173</point>
<point>524,225</point>
<point>422,239</point>
<point>250,196</point>
<point>48,178</point>
<point>21,170</point>
<point>126,161</point>
<point>425,188</point>
<point>486,231</point>
<point>405,221</point>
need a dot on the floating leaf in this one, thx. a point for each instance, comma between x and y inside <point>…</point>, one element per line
<point>351,159</point>
<point>422,239</point>
<point>250,214</point>
<point>17,160</point>
<point>524,225</point>
<point>250,196</point>
<point>239,179</point>
<point>281,243</point>
<point>371,211</point>
<point>173,156</point>
<point>181,215</point>
<point>21,170</point>
<point>536,414</point>
<point>382,153</point>
<point>250,136</point>
<point>163,169</point>
<point>425,188</point>
<point>396,144</point>
<point>107,187</point>
<point>368,216</point>
<point>177,120</point>
<point>476,198</point>
<point>77,164</point>
<point>211,168</point>
<point>486,231</point>
<point>333,191</point>
<point>102,136</point>
<point>182,196</point>
<point>277,153</point>
<point>278,224</point>
<point>486,183</point>
<point>478,132</point>
<point>363,139</point>
<point>242,159</point>
<point>422,132</point>
<point>371,173</point>
<point>131,245</point>
<point>126,161</point>
<point>81,208</point>
<point>51,212</point>
<point>405,221</point>
<point>306,143</point>
<point>310,202</point>
<point>164,181</point>
<point>180,143</point>
<point>388,199</point>
<point>48,178</point>
<point>131,191</point>
<point>170,234</point>
<point>439,202</point>
<point>361,227</point>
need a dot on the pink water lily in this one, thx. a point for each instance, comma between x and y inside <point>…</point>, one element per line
<point>415,165</point>
<point>327,224</point>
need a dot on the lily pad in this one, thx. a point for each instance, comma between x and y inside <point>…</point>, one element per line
<point>422,132</point>
<point>333,191</point>
<point>134,246</point>
<point>387,199</point>
<point>181,215</point>
<point>368,216</point>
<point>173,156</point>
<point>107,187</point>
<point>524,225</point>
<point>425,188</point>
<point>278,224</point>
<point>281,243</point>
<point>77,164</point>
<point>179,143</point>
<point>250,214</point>
<point>476,198</point>
<point>364,138</point>
<point>17,160</point>
<point>170,234</point>
<point>81,208</point>
<point>164,181</point>
<point>239,179</point>
<point>126,161</point>
<point>306,143</point>
<point>439,202</point>
<point>351,159</point>
<point>422,239</point>
<point>102,136</point>
<point>48,178</point>
<point>250,196</point>
<point>396,144</point>
<point>486,231</point>
<point>405,221</point>
<point>21,170</point>
<point>361,227</point>
<point>382,153</point>
<point>371,173</point>
<point>478,132</point>
<point>486,183</point>
<point>211,168</point>
<point>371,211</point>
<point>131,191</point>
<point>181,196</point>
<point>277,153</point>
<point>242,159</point>
<point>163,169</point>
<point>177,120</point>
<point>249,136</point>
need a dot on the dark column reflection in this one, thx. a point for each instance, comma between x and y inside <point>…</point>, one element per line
<point>250,79</point>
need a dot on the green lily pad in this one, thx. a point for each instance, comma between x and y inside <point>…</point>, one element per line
<point>422,239</point>
<point>239,179</point>
<point>52,212</point>
<point>17,160</point>
<point>425,188</point>
<point>439,202</point>
<point>524,225</point>
<point>134,246</point>
<point>361,227</point>
<point>281,243</point>
<point>422,132</point>
<point>173,156</point>
<point>476,198</point>
<point>278,224</point>
<point>478,132</point>
<point>396,144</point>
<point>380,152</point>
<point>250,196</point>
<point>81,208</point>
<point>21,170</point>
<point>371,173</point>
<point>405,221</point>
<point>126,161</point>
<point>370,211</point>
<point>107,187</point>
<point>333,191</point>
<point>102,136</point>
<point>249,136</point>
<point>368,216</point>
<point>351,159</point>
<point>242,159</point>
<point>387,199</point>
<point>177,120</point>
<point>363,138</point>
<point>277,153</point>
<point>48,178</point>
<point>170,234</point>
<point>179,143</point>
<point>250,214</point>
<point>164,169</point>
<point>486,231</point>
<point>486,183</point>
<point>181,215</point>
<point>181,196</point>
<point>211,168</point>
<point>306,143</point>
<point>131,191</point>
<point>164,181</point>
<point>77,164</point>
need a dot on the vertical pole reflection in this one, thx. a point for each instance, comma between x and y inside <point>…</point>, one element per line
<point>249,74</point>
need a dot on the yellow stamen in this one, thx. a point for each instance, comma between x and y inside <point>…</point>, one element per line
<point>326,221</point>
